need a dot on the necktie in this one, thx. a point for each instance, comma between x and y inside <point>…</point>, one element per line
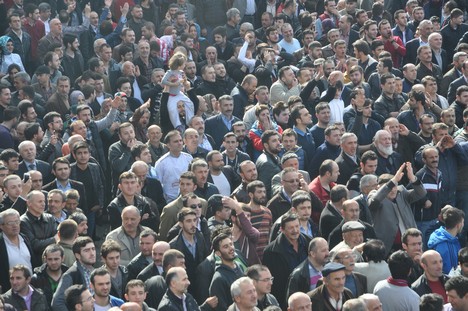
<point>32,167</point>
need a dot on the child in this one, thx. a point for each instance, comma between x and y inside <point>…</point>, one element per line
<point>174,78</point>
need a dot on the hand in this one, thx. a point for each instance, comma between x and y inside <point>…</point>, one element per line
<point>232,204</point>
<point>145,216</point>
<point>87,10</point>
<point>448,142</point>
<point>114,126</point>
<point>26,188</point>
<point>404,131</point>
<point>53,139</point>
<point>399,174</point>
<point>359,247</point>
<point>95,208</point>
<point>212,301</point>
<point>137,71</point>
<point>410,173</point>
<point>124,9</point>
<point>186,84</point>
<point>108,3</point>
<point>71,7</point>
<point>168,16</point>
<point>427,204</point>
<point>319,74</point>
<point>115,103</point>
<point>303,185</point>
<point>249,37</point>
<point>131,143</point>
<point>147,104</point>
<point>295,82</point>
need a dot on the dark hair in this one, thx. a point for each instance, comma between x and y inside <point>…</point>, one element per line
<point>253,185</point>
<point>217,240</point>
<point>19,267</point>
<point>80,242</point>
<point>267,134</point>
<point>62,160</point>
<point>170,256</point>
<point>8,154</point>
<point>452,217</point>
<point>67,228</point>
<point>101,271</point>
<point>31,130</point>
<point>288,217</point>
<point>326,167</point>
<point>431,302</point>
<point>220,30</point>
<point>463,255</point>
<point>400,264</point>
<point>374,250</point>
<point>10,113</point>
<point>338,193</point>
<point>253,272</point>
<point>110,246</point>
<point>459,284</point>
<point>300,197</point>
<point>368,156</point>
<point>295,113</point>
<point>68,38</point>
<point>73,295</point>
<point>185,212</point>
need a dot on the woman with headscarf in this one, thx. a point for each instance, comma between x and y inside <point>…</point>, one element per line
<point>7,57</point>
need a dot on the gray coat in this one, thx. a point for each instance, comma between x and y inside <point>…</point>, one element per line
<point>384,212</point>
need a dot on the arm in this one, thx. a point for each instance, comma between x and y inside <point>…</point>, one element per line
<point>252,233</point>
<point>58,301</point>
<point>36,244</point>
<point>119,159</point>
<point>375,199</point>
<point>249,63</point>
<point>107,121</point>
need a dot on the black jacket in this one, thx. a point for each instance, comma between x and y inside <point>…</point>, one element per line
<point>39,231</point>
<point>336,236</point>
<point>38,300</point>
<point>299,279</point>
<point>78,186</point>
<point>118,204</point>
<point>329,219</point>
<point>347,167</point>
<point>421,286</point>
<point>148,272</point>
<point>156,287</point>
<point>136,265</point>
<point>220,285</point>
<point>40,279</point>
<point>171,302</point>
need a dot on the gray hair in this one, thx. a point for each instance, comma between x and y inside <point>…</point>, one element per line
<point>355,304</point>
<point>235,287</point>
<point>232,13</point>
<point>366,180</point>
<point>247,26</point>
<point>345,136</point>
<point>8,212</point>
<point>138,164</point>
<point>457,56</point>
<point>24,144</point>
<point>23,76</point>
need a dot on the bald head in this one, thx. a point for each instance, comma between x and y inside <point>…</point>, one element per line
<point>159,248</point>
<point>130,306</point>
<point>299,301</point>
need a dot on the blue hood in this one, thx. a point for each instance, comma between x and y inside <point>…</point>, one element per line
<point>441,236</point>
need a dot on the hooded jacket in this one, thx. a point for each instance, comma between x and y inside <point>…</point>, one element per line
<point>447,246</point>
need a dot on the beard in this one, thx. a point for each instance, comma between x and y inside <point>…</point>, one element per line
<point>261,201</point>
<point>385,150</point>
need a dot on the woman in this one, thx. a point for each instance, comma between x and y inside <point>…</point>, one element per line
<point>263,123</point>
<point>7,56</point>
<point>199,43</point>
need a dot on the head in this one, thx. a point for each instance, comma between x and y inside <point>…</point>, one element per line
<point>243,293</point>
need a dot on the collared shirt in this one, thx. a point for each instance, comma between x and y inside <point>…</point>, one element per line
<point>307,231</point>
<point>28,297</point>
<point>63,216</point>
<point>30,165</point>
<point>315,275</point>
<point>271,8</point>
<point>354,158</point>
<point>250,7</point>
<point>63,188</point>
<point>422,43</point>
<point>18,254</point>
<point>87,276</point>
<point>205,143</point>
<point>191,247</point>
<point>227,122</point>
<point>285,195</point>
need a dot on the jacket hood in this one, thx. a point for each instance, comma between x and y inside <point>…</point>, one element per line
<point>441,235</point>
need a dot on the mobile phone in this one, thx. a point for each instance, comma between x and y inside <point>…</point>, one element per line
<point>26,177</point>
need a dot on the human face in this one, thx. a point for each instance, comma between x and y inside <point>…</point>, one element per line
<point>196,206</point>
<point>248,296</point>
<point>431,159</point>
<point>356,77</point>
<point>82,227</point>
<point>157,253</point>
<point>457,302</point>
<point>432,266</point>
<point>227,107</point>
<point>259,196</point>
<point>240,132</point>
<point>201,173</point>
<point>274,145</point>
<point>306,117</point>
<point>145,156</point>
<point>413,247</point>
<point>154,135</point>
<point>102,285</point>
<point>70,205</point>
<point>219,40</point>
<point>63,87</point>
<point>351,212</point>
<point>191,139</point>
<point>82,156</point>
<point>426,126</point>
<point>62,171</point>
<point>263,96</point>
<point>321,252</point>
<point>449,118</point>
<point>36,205</point>
<point>283,117</point>
<point>15,23</point>
<point>19,283</point>
<point>335,173</point>
<point>287,33</point>
<point>291,230</point>
<point>372,32</point>
<point>186,186</point>
<point>55,26</point>
<point>386,31</point>
<point>54,261</point>
<point>264,282</point>
<point>11,226</point>
<point>438,135</point>
<point>13,165</point>
<point>425,55</point>
<point>28,152</point>
<point>289,142</point>
<point>248,172</point>
<point>30,115</point>
<point>463,98</point>
<point>189,224</point>
<point>355,237</point>
<point>128,186</point>
<point>230,144</point>
<point>136,294</point>
<point>129,37</point>
<point>334,137</point>
<point>211,54</point>
<point>335,282</point>
<point>273,37</point>
<point>146,244</point>
<point>126,134</point>
<point>112,261</point>
<point>217,162</point>
<point>288,77</point>
<point>181,283</point>
<point>304,210</point>
<point>374,304</point>
<point>349,146</point>
<point>369,167</point>
<point>266,21</point>
<point>144,49</point>
<point>226,250</point>
<point>130,221</point>
<point>87,255</point>
<point>5,96</point>
<point>55,203</point>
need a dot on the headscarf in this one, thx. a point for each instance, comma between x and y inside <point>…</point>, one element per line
<point>3,44</point>
<point>74,97</point>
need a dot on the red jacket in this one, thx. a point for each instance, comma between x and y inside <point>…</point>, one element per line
<point>321,193</point>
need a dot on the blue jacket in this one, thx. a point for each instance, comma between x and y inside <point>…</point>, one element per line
<point>324,151</point>
<point>115,302</point>
<point>447,246</point>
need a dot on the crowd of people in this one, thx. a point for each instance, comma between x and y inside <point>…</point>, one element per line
<point>233,155</point>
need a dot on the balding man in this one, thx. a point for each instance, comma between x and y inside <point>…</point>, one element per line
<point>433,279</point>
<point>28,152</point>
<point>156,147</point>
<point>372,302</point>
<point>130,306</point>
<point>128,234</point>
<point>299,302</point>
<point>156,267</point>
<point>40,228</point>
<point>54,36</point>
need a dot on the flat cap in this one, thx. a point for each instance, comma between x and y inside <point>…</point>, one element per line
<point>332,267</point>
<point>352,225</point>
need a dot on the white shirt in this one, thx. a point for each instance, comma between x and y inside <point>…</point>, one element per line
<point>250,8</point>
<point>18,254</point>
<point>222,184</point>
<point>290,47</point>
<point>336,111</point>
<point>168,170</point>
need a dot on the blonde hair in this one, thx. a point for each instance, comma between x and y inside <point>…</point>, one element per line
<point>177,60</point>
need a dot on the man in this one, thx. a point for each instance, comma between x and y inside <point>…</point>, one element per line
<point>79,273</point>
<point>79,298</point>
<point>401,27</point>
<point>456,293</point>
<point>190,241</point>
<point>392,43</point>
<point>156,147</point>
<point>459,59</point>
<point>155,267</point>
<point>453,32</point>
<point>426,67</point>
<point>90,175</point>
<point>425,28</point>
<point>226,273</point>
<point>135,293</point>
<point>417,108</point>
<point>410,77</point>
<point>330,149</point>
<point>400,264</point>
<point>204,188</point>
<point>54,125</point>
<point>299,301</point>
<point>14,246</point>
<point>439,55</point>
<point>331,215</point>
<point>208,84</point>
<point>454,86</point>
<point>231,155</point>
<point>445,241</point>
<point>40,234</point>
<point>218,126</point>
<point>347,160</point>
<point>325,181</point>
<point>110,257</point>
<point>244,294</point>
<point>241,93</point>
<point>286,86</point>
<point>11,116</point>
<point>262,280</point>
<point>178,282</point>
<point>333,292</point>
<point>56,200</point>
<point>248,173</point>
<point>59,101</point>
<point>48,275</point>
<point>15,192</point>
<point>170,166</point>
<point>62,181</point>
<point>21,40</point>
<point>432,280</point>
<point>289,43</point>
<point>147,239</point>
<point>20,279</point>
<point>304,277</point>
<point>389,103</point>
<point>128,185</point>
<point>355,281</point>
<point>388,160</point>
<point>100,284</point>
<point>281,262</point>
<point>268,163</point>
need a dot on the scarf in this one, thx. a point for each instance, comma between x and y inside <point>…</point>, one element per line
<point>397,282</point>
<point>3,44</point>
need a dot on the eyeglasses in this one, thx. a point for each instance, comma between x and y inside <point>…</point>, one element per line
<point>267,279</point>
<point>13,223</point>
<point>291,181</point>
<point>194,206</point>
